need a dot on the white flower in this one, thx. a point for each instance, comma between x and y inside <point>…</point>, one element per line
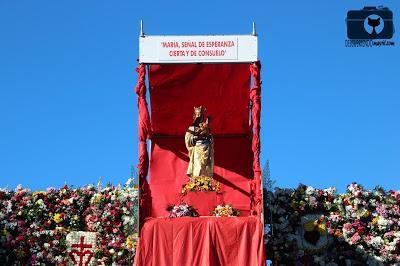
<point>9,206</point>
<point>382,223</point>
<point>330,190</point>
<point>338,200</point>
<point>357,201</point>
<point>349,208</point>
<point>310,190</point>
<point>128,220</point>
<point>377,241</point>
<point>129,182</point>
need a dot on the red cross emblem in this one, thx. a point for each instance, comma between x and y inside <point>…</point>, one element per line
<point>81,252</point>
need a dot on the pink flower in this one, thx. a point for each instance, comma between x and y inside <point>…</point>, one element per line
<point>388,234</point>
<point>347,226</point>
<point>20,223</point>
<point>355,238</point>
<point>66,202</point>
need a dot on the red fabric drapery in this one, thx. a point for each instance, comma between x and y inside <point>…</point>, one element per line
<point>223,89</point>
<point>233,169</point>
<point>144,133</point>
<point>255,98</point>
<point>204,241</point>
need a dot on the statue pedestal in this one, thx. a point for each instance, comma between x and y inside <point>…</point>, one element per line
<point>204,202</point>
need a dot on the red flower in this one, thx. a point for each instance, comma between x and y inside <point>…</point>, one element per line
<point>360,230</point>
<point>116,224</point>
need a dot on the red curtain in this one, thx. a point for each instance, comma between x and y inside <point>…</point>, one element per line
<point>233,169</point>
<point>205,241</point>
<point>144,133</point>
<point>222,88</point>
<point>255,97</point>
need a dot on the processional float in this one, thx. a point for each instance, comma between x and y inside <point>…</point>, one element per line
<point>204,133</point>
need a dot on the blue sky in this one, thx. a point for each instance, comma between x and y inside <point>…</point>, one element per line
<point>68,111</point>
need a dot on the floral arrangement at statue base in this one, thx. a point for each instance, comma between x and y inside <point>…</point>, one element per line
<point>201,183</point>
<point>225,211</point>
<point>181,210</point>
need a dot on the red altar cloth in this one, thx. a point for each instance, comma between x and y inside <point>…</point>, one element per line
<point>201,241</point>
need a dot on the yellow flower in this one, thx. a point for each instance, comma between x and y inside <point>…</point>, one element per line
<point>131,241</point>
<point>44,193</point>
<point>366,213</point>
<point>57,218</point>
<point>375,220</point>
<point>322,228</point>
<point>60,229</point>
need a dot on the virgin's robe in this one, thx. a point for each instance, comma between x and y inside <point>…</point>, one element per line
<point>201,155</point>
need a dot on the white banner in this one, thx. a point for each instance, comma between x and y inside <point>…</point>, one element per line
<point>197,48</point>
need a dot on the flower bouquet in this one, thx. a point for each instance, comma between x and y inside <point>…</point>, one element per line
<point>201,183</point>
<point>181,210</point>
<point>225,211</point>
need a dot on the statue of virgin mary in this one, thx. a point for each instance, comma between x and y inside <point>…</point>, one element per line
<point>199,143</point>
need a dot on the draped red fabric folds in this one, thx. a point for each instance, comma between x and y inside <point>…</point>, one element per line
<point>233,169</point>
<point>223,89</point>
<point>144,133</point>
<point>255,97</point>
<point>204,241</point>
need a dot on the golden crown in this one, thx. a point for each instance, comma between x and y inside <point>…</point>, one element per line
<point>200,109</point>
